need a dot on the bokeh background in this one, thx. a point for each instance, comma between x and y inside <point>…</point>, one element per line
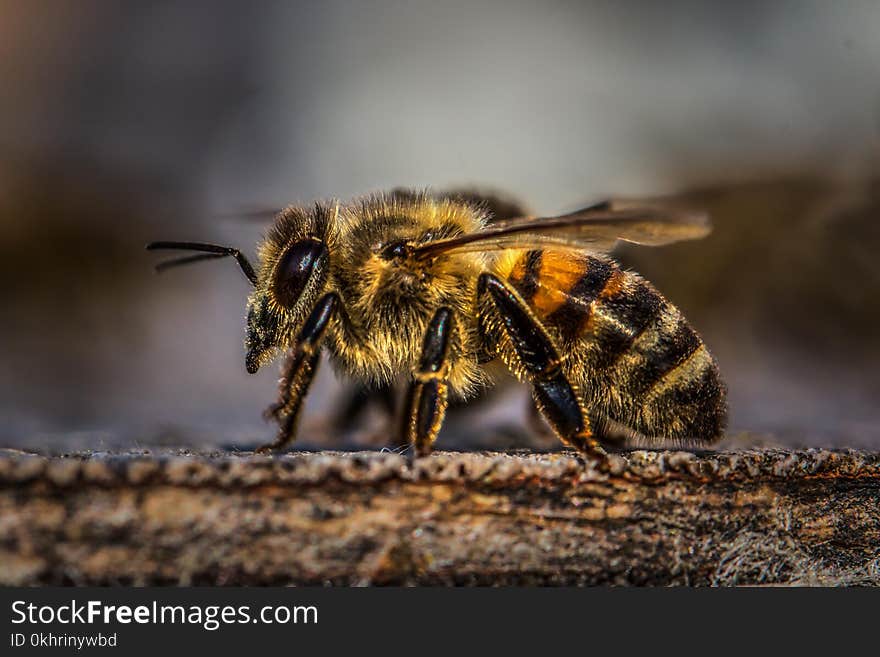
<point>125,122</point>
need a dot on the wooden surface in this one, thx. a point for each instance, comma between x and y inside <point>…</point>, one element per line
<point>176,517</point>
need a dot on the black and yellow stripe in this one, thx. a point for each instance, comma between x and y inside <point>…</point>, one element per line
<point>639,361</point>
<point>526,274</point>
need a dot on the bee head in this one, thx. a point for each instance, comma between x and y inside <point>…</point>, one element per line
<point>294,267</point>
<point>279,306</point>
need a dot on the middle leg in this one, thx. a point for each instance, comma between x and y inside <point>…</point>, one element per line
<point>426,399</point>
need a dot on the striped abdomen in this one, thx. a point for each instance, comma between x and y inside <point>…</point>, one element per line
<point>632,352</point>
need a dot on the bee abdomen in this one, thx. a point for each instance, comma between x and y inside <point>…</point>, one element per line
<point>664,384</point>
<point>559,288</point>
<point>587,298</point>
<point>668,345</point>
<point>635,356</point>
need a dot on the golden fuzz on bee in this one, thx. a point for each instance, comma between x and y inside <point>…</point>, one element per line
<point>393,260</point>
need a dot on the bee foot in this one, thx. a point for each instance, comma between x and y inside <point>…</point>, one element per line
<point>596,458</point>
<point>280,441</point>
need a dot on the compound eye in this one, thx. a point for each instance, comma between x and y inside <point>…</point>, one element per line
<point>303,261</point>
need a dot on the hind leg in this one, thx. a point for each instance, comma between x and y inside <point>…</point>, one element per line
<point>539,363</point>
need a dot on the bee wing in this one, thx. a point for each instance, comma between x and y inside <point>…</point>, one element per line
<point>597,228</point>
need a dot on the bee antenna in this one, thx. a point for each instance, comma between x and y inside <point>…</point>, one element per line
<point>186,260</point>
<point>209,252</point>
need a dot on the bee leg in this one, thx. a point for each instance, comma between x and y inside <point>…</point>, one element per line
<point>426,399</point>
<point>541,431</point>
<point>355,401</point>
<point>299,370</point>
<point>554,395</point>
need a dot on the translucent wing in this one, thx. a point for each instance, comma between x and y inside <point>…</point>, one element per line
<point>596,228</point>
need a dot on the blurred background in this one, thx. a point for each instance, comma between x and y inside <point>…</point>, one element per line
<point>126,122</point>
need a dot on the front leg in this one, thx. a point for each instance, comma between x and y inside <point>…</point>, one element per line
<point>553,393</point>
<point>299,371</point>
<point>426,399</point>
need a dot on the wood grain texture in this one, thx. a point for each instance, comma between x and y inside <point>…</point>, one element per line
<point>177,517</point>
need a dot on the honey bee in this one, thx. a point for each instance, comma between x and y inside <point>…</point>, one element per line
<point>430,287</point>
